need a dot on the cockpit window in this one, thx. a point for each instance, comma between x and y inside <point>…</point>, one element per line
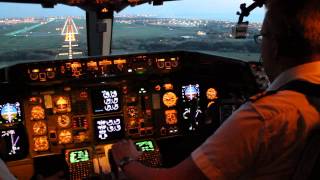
<point>191,25</point>
<point>32,33</point>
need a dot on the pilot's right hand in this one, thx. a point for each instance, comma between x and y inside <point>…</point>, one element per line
<point>124,149</point>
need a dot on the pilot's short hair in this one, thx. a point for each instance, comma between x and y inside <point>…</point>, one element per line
<point>297,26</point>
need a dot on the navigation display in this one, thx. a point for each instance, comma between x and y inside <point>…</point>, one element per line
<point>10,113</point>
<point>105,100</point>
<point>145,146</point>
<point>13,143</point>
<point>191,105</point>
<point>191,92</point>
<point>79,156</point>
<point>108,128</point>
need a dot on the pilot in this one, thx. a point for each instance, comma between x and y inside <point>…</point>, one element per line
<point>265,138</point>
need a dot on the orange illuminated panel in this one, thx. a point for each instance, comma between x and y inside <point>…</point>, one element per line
<point>120,61</point>
<point>92,65</point>
<point>105,62</point>
<point>65,137</point>
<point>41,143</point>
<point>39,128</point>
<point>49,69</point>
<point>37,113</point>
<point>171,117</point>
<point>61,104</point>
<point>170,99</point>
<point>211,94</point>
<point>75,65</point>
<point>64,121</point>
<point>104,65</point>
<point>76,69</point>
<point>168,87</point>
<point>35,70</point>
<point>104,10</point>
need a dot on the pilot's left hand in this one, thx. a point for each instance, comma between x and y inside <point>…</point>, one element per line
<point>123,149</point>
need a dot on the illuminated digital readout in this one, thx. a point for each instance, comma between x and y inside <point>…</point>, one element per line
<point>10,113</point>
<point>109,128</point>
<point>79,156</point>
<point>106,101</point>
<point>145,146</point>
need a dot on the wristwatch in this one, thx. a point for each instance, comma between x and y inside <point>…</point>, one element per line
<point>125,161</point>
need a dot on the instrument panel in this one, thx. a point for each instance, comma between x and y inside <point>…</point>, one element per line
<point>79,108</point>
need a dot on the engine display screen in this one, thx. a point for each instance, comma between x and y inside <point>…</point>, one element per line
<point>108,128</point>
<point>105,100</point>
<point>13,143</point>
<point>10,113</point>
<point>79,156</point>
<point>145,146</point>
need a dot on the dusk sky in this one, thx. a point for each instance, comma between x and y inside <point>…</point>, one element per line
<point>207,9</point>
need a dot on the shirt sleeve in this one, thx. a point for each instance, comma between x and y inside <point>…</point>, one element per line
<point>233,147</point>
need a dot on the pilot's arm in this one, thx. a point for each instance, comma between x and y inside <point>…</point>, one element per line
<point>227,154</point>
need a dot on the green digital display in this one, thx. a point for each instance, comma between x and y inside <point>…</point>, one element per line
<point>145,146</point>
<point>79,156</point>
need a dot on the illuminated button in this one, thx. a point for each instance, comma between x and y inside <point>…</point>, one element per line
<point>157,88</point>
<point>35,70</point>
<point>104,10</point>
<point>168,86</point>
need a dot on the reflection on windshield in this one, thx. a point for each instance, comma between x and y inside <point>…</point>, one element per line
<point>145,34</point>
<point>42,38</point>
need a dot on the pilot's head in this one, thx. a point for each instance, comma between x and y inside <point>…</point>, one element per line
<point>291,34</point>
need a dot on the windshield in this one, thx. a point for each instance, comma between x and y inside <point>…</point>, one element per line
<point>191,25</point>
<point>30,32</point>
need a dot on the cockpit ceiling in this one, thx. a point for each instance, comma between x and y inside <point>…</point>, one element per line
<point>110,5</point>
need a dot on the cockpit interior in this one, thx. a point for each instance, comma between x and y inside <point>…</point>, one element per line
<point>65,114</point>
